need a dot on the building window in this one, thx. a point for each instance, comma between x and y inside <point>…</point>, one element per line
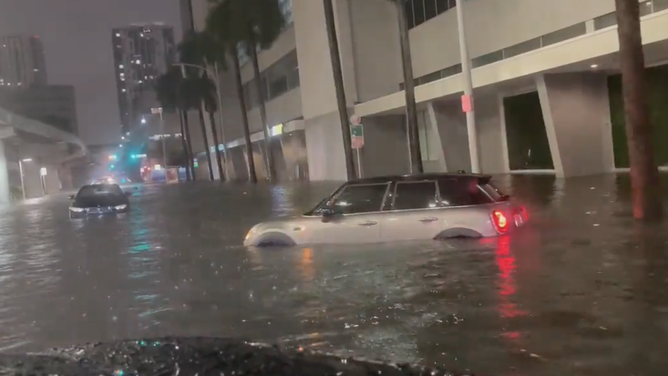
<point>279,78</point>
<point>420,11</point>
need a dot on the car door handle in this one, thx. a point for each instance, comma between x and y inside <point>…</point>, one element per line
<point>428,220</point>
<point>368,223</point>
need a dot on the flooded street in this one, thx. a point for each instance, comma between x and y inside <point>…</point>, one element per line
<point>582,291</point>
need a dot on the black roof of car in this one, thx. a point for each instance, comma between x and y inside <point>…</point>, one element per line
<point>418,177</point>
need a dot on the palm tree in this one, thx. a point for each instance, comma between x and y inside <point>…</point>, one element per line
<point>170,96</point>
<point>209,94</point>
<point>409,89</point>
<point>190,53</point>
<point>338,84</point>
<point>215,49</point>
<point>644,172</point>
<point>255,24</point>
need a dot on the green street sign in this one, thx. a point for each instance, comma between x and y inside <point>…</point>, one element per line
<point>357,130</point>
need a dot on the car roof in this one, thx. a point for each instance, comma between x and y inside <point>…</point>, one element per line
<point>418,177</point>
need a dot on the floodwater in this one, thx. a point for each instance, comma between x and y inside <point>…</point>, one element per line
<point>582,291</point>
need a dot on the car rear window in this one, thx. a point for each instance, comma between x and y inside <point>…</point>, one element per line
<point>100,189</point>
<point>462,192</point>
<point>493,192</point>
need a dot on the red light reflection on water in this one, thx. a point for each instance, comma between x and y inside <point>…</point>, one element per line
<point>506,281</point>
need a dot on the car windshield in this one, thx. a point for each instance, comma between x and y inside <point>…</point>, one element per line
<point>99,189</point>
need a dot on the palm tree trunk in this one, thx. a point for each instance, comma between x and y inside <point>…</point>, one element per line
<point>644,173</point>
<point>200,113</point>
<point>268,158</point>
<point>338,85</point>
<point>214,133</point>
<point>409,88</point>
<point>184,143</point>
<point>252,175</point>
<point>186,135</point>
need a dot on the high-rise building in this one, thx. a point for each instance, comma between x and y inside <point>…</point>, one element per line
<point>141,54</point>
<point>22,61</point>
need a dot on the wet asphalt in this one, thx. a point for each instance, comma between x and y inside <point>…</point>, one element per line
<point>582,291</point>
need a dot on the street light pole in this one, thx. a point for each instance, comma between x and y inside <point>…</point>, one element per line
<point>164,139</point>
<point>23,185</point>
<point>220,118</point>
<point>468,89</point>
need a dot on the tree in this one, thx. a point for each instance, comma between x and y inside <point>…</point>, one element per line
<point>216,49</point>
<point>170,94</point>
<point>209,98</point>
<point>255,24</point>
<point>644,172</point>
<point>190,53</point>
<point>338,85</point>
<point>409,89</point>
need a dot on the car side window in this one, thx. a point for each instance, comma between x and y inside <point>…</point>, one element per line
<point>455,192</point>
<point>415,195</point>
<point>362,198</point>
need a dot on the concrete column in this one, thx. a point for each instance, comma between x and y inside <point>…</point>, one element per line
<point>577,119</point>
<point>453,134</point>
<point>434,139</point>
<point>384,151</point>
<point>324,144</point>
<point>51,180</point>
<point>4,176</point>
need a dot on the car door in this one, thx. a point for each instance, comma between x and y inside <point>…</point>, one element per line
<point>358,223</point>
<point>414,214</point>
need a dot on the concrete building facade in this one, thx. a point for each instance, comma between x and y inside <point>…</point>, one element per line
<point>22,61</point>
<point>544,77</point>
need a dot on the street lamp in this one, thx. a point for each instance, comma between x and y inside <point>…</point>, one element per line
<point>468,104</point>
<point>216,77</point>
<point>23,185</point>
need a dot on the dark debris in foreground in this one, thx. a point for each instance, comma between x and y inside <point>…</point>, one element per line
<point>201,356</point>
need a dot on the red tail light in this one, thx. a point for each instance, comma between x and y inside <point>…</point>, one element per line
<point>500,221</point>
<point>524,213</point>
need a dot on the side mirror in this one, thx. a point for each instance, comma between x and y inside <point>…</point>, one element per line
<point>71,197</point>
<point>330,212</point>
<point>136,188</point>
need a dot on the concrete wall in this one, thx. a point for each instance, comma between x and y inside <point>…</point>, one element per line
<point>453,135</point>
<point>576,111</point>
<point>385,149</point>
<point>493,25</point>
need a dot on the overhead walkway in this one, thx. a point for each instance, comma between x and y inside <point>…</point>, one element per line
<point>27,140</point>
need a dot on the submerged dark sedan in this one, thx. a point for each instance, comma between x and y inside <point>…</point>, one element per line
<point>97,199</point>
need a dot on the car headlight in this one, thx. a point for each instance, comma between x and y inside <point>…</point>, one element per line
<point>76,210</point>
<point>120,207</point>
<point>250,233</point>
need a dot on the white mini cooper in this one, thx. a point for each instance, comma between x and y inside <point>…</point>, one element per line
<point>398,208</point>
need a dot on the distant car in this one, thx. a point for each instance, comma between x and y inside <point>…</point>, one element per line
<point>97,199</point>
<point>399,208</point>
<point>111,180</point>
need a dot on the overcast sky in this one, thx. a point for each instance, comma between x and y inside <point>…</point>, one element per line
<point>77,42</point>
